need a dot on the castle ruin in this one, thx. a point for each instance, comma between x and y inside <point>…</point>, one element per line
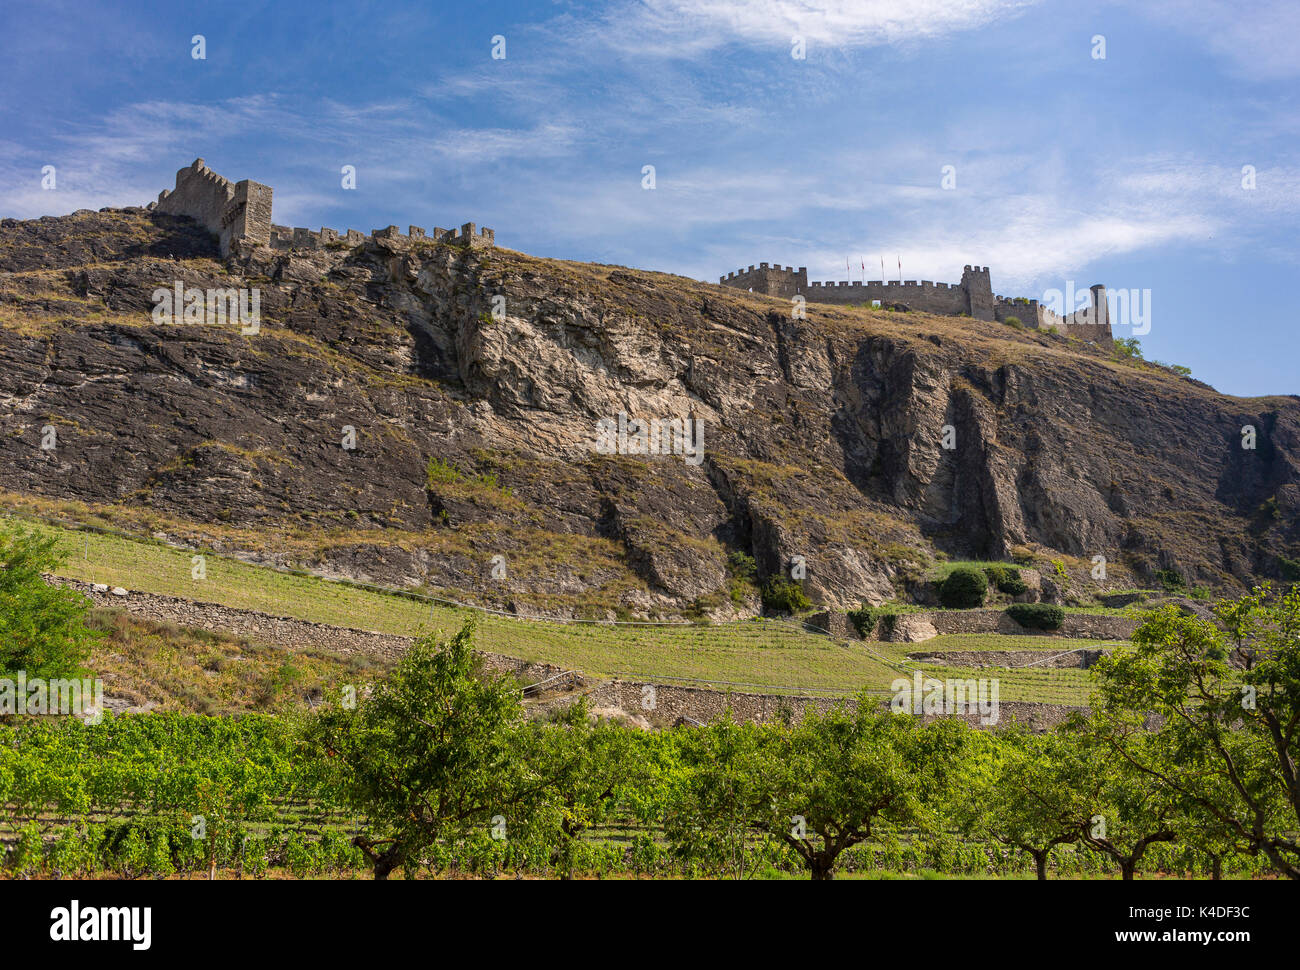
<point>239,214</point>
<point>973,297</point>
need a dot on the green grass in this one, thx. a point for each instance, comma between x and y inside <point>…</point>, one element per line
<point>759,652</point>
<point>751,655</point>
<point>998,641</point>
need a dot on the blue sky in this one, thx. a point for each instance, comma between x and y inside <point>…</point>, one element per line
<point>1125,170</point>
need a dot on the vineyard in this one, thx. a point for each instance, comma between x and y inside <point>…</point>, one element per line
<point>163,796</point>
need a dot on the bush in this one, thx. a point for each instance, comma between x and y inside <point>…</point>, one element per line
<point>1170,579</point>
<point>782,596</point>
<point>1006,579</point>
<point>964,589</point>
<point>863,620</point>
<point>865,617</point>
<point>1037,616</point>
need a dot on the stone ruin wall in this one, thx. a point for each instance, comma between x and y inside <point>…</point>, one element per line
<point>241,213</point>
<point>284,237</point>
<point>973,297</point>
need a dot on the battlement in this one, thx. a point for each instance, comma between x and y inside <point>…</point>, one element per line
<point>233,212</point>
<point>469,235</point>
<point>973,297</point>
<point>240,213</point>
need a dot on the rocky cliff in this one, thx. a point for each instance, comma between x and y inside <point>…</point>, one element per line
<point>474,468</point>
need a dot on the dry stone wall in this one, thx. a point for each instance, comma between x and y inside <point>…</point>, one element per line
<point>672,703</point>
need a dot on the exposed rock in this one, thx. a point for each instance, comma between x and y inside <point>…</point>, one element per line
<point>821,436</point>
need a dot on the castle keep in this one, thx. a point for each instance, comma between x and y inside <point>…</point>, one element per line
<point>239,214</point>
<point>973,296</point>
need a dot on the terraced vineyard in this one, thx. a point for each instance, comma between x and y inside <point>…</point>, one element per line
<point>757,655</point>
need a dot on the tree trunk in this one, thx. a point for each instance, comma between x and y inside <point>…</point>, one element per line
<point>822,866</point>
<point>1126,867</point>
<point>1040,862</point>
<point>1216,867</point>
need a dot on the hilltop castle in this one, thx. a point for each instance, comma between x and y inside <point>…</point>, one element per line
<point>973,297</point>
<point>239,214</point>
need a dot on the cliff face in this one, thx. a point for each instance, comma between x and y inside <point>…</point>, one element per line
<point>823,438</point>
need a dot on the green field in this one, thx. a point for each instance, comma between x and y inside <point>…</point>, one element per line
<point>752,654</point>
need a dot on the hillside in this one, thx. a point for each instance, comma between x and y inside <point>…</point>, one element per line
<point>474,435</point>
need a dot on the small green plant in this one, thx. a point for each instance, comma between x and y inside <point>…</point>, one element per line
<point>1127,348</point>
<point>1014,323</point>
<point>1171,579</point>
<point>783,596</point>
<point>1268,509</point>
<point>741,572</point>
<point>1037,616</point>
<point>866,616</point>
<point>964,589</point>
<point>1289,568</point>
<point>439,472</point>
<point>1006,578</point>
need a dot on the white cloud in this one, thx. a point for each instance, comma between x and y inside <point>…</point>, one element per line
<point>679,27</point>
<point>1257,39</point>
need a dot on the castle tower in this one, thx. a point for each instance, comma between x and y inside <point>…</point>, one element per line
<point>248,216</point>
<point>979,292</point>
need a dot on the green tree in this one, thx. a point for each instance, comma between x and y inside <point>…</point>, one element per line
<point>1228,697</point>
<point>42,627</point>
<point>428,756</point>
<point>586,767</point>
<point>824,784</point>
<point>1121,810</point>
<point>1019,790</point>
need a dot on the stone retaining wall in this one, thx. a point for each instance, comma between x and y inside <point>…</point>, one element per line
<point>672,703</point>
<point>1043,659</point>
<point>1092,626</point>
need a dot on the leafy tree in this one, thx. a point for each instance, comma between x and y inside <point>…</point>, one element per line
<point>784,596</point>
<point>824,784</point>
<point>587,769</point>
<point>1232,736</point>
<point>428,756</point>
<point>1019,790</point>
<point>42,627</point>
<point>707,791</point>
<point>1121,810</point>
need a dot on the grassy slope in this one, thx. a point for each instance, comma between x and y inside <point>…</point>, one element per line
<point>762,653</point>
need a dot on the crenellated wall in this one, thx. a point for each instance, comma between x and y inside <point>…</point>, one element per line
<point>241,213</point>
<point>972,297</point>
<point>469,235</point>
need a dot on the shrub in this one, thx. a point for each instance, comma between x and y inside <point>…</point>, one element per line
<point>1006,578</point>
<point>1170,579</point>
<point>783,596</point>
<point>1290,569</point>
<point>865,617</point>
<point>964,589</point>
<point>1014,323</point>
<point>1037,616</point>
<point>863,620</point>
